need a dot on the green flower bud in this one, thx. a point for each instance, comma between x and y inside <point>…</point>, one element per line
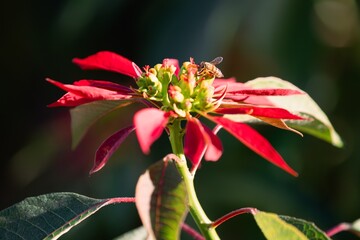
<point>175,94</point>
<point>178,111</point>
<point>157,67</point>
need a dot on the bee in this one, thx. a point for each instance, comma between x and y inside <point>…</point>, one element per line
<point>208,68</point>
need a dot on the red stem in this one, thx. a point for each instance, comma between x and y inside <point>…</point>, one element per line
<point>233,214</point>
<point>192,232</point>
<point>121,200</point>
<point>338,228</point>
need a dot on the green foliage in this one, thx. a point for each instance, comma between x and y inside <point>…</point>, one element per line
<point>84,116</point>
<point>303,104</point>
<point>277,227</point>
<point>161,200</point>
<point>318,125</point>
<point>308,228</point>
<point>47,216</point>
<point>274,228</point>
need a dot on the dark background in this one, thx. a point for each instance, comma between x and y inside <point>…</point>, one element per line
<point>313,44</point>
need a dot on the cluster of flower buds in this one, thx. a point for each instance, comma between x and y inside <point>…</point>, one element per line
<point>183,90</point>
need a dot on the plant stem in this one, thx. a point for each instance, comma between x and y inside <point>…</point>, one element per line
<point>232,214</point>
<point>197,212</point>
<point>338,228</point>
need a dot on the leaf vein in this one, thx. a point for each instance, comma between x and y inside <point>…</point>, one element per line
<point>14,233</point>
<point>34,225</point>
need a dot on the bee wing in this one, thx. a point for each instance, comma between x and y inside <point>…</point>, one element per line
<point>216,60</point>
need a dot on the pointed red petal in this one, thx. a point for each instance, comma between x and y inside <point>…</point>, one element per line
<point>80,94</point>
<point>70,100</point>
<point>253,140</point>
<point>233,86</point>
<point>196,141</point>
<point>215,148</point>
<point>265,92</point>
<point>269,112</point>
<point>109,61</point>
<point>108,147</point>
<point>253,99</point>
<point>104,85</point>
<point>149,123</point>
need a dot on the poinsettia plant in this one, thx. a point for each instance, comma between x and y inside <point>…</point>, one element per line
<point>175,99</point>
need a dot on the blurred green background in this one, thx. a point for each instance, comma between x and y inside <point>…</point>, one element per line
<point>313,44</point>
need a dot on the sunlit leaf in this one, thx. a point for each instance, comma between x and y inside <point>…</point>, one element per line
<point>303,104</point>
<point>49,216</point>
<point>274,228</point>
<point>161,200</point>
<point>84,116</point>
<point>315,128</point>
<point>309,229</point>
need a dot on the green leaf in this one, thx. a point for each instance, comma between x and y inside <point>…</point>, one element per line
<point>274,228</point>
<point>48,216</point>
<point>161,200</point>
<point>307,228</point>
<point>84,116</point>
<point>316,128</point>
<point>135,234</point>
<point>303,104</point>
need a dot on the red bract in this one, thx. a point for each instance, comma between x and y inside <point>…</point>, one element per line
<point>109,61</point>
<point>179,93</point>
<point>253,140</point>
<point>109,146</point>
<point>86,91</point>
<point>258,111</point>
<point>200,141</point>
<point>149,124</point>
